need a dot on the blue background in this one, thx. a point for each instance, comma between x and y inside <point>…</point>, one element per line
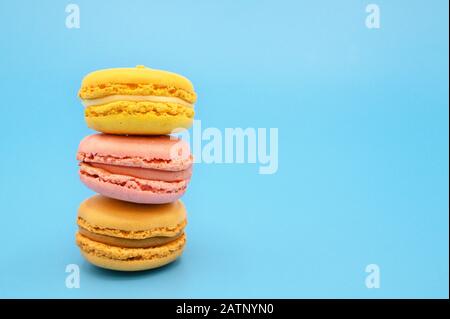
<point>363,145</point>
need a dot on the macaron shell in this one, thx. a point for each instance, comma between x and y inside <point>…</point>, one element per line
<point>132,265</point>
<point>129,259</point>
<point>106,213</point>
<point>128,189</point>
<point>137,75</point>
<point>139,124</point>
<point>157,152</point>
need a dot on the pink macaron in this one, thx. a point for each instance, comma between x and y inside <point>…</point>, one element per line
<point>138,169</point>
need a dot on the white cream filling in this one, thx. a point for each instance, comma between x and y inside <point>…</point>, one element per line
<point>137,98</point>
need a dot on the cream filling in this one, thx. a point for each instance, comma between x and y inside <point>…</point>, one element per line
<point>137,98</point>
<point>127,242</point>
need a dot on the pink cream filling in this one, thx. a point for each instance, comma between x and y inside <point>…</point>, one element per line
<point>146,173</point>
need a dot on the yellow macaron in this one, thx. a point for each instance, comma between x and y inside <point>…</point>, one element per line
<point>125,236</point>
<point>137,101</point>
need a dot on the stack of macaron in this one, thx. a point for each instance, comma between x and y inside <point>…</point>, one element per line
<point>136,222</point>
